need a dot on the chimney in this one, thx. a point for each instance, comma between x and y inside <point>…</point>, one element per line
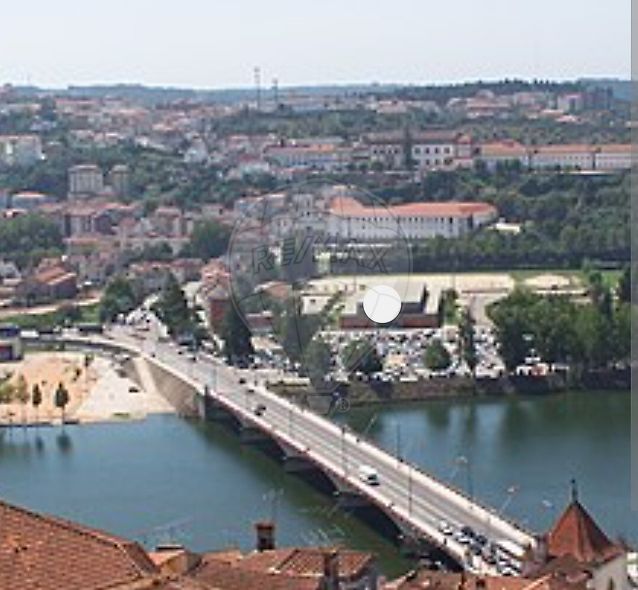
<point>265,536</point>
<point>330,569</point>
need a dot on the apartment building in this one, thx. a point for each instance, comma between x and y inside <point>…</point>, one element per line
<point>85,181</point>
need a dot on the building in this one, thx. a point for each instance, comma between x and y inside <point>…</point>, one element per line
<point>576,548</point>
<point>120,180</point>
<point>29,201</point>
<point>604,157</point>
<point>38,551</point>
<point>48,553</point>
<point>50,281</point>
<point>613,157</point>
<point>349,220</point>
<point>423,150</point>
<point>20,150</point>
<point>11,348</point>
<point>321,156</point>
<point>503,152</point>
<point>420,307</point>
<point>85,180</point>
<point>564,156</point>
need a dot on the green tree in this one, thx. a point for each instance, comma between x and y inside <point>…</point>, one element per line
<point>172,308</point>
<point>623,290</point>
<point>360,355</point>
<point>236,335</point>
<point>437,357</point>
<point>468,344</point>
<point>36,401</point>
<point>208,240</point>
<point>22,395</point>
<point>61,399</point>
<point>317,360</point>
<point>119,297</point>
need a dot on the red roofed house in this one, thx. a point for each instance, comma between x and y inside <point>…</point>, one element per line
<point>46,553</point>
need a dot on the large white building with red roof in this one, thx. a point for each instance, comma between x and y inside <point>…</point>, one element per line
<point>350,220</point>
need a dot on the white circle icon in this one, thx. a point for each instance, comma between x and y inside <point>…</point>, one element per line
<point>381,304</point>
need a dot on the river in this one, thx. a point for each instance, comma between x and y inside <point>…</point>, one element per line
<point>169,480</point>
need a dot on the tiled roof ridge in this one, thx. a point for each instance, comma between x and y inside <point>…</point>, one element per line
<point>120,543</point>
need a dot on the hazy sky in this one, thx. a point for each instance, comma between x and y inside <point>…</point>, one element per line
<point>217,43</point>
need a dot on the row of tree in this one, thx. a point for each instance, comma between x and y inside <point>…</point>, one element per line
<point>590,335</point>
<point>19,392</point>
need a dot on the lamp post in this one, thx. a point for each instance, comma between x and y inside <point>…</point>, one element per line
<point>462,460</point>
<point>410,495</point>
<point>344,460</point>
<point>398,442</point>
<point>511,491</point>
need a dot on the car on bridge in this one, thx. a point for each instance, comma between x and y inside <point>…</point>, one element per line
<point>369,475</point>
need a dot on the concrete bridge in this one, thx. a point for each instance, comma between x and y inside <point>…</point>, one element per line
<point>416,502</point>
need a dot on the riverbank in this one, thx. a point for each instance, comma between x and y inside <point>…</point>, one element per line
<point>97,387</point>
<point>368,393</point>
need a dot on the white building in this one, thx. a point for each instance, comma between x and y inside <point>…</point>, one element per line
<point>613,157</point>
<point>349,220</point>
<point>323,157</point>
<point>566,156</point>
<point>20,150</point>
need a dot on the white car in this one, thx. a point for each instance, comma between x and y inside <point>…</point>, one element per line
<point>445,528</point>
<point>369,475</point>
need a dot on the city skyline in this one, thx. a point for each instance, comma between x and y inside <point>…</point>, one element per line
<point>218,46</point>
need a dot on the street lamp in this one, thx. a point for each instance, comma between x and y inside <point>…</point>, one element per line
<point>409,489</point>
<point>463,461</point>
<point>511,491</point>
<point>344,460</point>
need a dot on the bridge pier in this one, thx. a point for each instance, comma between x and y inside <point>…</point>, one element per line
<point>252,435</point>
<point>298,464</point>
<point>210,409</point>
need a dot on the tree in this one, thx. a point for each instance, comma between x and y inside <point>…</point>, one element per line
<point>296,329</point>
<point>236,335</point>
<point>36,401</point>
<point>22,395</point>
<point>468,344</point>
<point>623,290</point>
<point>172,308</point>
<point>61,399</point>
<point>360,355</point>
<point>119,297</point>
<point>437,357</point>
<point>208,240</point>
<point>317,360</point>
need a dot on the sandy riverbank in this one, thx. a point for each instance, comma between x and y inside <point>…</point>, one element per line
<point>97,392</point>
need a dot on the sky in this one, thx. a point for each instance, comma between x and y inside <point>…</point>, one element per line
<point>218,43</point>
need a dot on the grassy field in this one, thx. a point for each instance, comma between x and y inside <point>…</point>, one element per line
<point>59,317</point>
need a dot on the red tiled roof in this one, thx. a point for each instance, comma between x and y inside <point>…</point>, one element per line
<point>576,534</point>
<point>348,206</point>
<point>307,561</point>
<point>219,574</point>
<point>46,553</point>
